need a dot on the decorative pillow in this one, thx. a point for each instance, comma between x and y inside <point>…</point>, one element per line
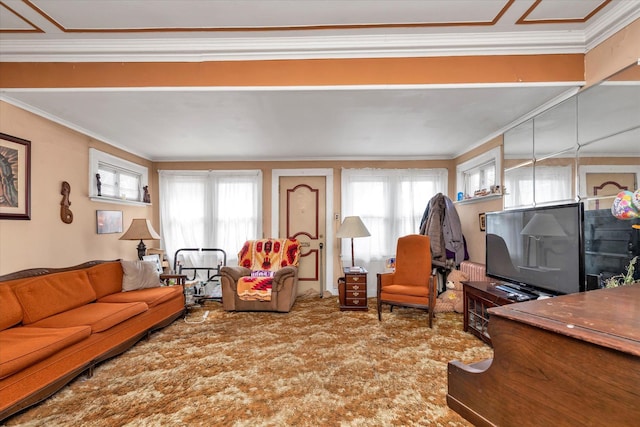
<point>139,275</point>
<point>262,273</point>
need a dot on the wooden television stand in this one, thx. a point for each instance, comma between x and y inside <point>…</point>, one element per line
<point>564,361</point>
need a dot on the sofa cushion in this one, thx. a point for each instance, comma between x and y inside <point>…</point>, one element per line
<point>410,290</point>
<point>99,316</point>
<point>139,275</point>
<point>48,295</point>
<point>23,346</point>
<point>106,278</point>
<point>150,296</point>
<point>10,311</point>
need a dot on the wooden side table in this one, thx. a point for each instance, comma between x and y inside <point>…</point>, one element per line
<point>353,290</point>
<point>478,297</point>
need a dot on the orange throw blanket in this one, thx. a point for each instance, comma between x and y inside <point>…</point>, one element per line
<point>264,257</point>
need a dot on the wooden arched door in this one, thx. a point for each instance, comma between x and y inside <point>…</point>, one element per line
<point>303,217</point>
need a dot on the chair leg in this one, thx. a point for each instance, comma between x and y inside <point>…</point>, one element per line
<point>433,291</point>
<point>378,294</point>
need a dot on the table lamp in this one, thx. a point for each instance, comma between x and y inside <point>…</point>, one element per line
<point>140,229</point>
<point>351,227</point>
<point>542,225</point>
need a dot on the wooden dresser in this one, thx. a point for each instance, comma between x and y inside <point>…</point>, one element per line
<point>353,291</point>
<point>572,360</point>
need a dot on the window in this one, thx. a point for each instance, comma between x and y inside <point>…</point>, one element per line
<point>481,177</point>
<point>479,173</point>
<point>119,183</point>
<point>210,209</point>
<point>118,179</point>
<point>391,203</point>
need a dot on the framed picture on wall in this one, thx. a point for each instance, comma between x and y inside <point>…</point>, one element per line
<point>108,222</point>
<point>483,221</point>
<point>15,177</point>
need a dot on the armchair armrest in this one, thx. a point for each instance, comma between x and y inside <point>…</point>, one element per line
<point>283,274</point>
<point>234,272</point>
<point>385,279</point>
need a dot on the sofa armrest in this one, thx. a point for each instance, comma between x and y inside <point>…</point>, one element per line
<point>282,275</point>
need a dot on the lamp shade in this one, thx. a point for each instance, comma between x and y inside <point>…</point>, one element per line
<point>352,226</point>
<point>140,229</point>
<point>543,224</point>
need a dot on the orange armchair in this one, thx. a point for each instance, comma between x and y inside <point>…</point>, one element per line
<point>413,284</point>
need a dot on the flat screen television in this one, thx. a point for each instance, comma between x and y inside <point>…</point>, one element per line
<point>540,250</point>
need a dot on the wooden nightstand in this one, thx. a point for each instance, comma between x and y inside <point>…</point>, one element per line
<point>353,290</point>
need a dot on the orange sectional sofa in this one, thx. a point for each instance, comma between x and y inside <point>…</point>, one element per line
<point>58,323</point>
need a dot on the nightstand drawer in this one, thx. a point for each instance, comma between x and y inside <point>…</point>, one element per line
<point>357,302</point>
<point>362,293</point>
<point>353,278</point>
<point>356,286</point>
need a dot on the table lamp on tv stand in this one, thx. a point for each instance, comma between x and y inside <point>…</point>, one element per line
<point>351,227</point>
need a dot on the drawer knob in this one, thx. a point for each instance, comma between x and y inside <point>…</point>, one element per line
<point>355,294</point>
<point>355,279</point>
<point>356,301</point>
<point>356,287</point>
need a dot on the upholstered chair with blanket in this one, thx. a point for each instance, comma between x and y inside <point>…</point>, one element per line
<point>413,284</point>
<point>266,278</point>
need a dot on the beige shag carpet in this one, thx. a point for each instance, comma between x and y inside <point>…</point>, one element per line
<point>315,366</point>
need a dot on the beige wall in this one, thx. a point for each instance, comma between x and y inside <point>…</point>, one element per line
<point>59,154</point>
<point>614,54</point>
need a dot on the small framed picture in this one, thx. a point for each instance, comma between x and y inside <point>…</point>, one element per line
<point>154,259</point>
<point>109,222</point>
<point>483,221</point>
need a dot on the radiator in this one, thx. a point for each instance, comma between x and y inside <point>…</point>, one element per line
<point>475,271</point>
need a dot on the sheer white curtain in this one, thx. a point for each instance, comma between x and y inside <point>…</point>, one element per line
<point>391,203</point>
<point>552,183</point>
<point>518,184</point>
<point>209,209</point>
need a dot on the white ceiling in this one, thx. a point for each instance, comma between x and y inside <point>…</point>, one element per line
<point>369,122</point>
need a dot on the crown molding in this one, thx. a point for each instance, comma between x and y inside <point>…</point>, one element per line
<point>312,47</point>
<point>611,23</point>
<point>190,48</point>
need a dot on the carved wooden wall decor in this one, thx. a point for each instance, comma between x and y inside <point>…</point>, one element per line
<point>65,213</point>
